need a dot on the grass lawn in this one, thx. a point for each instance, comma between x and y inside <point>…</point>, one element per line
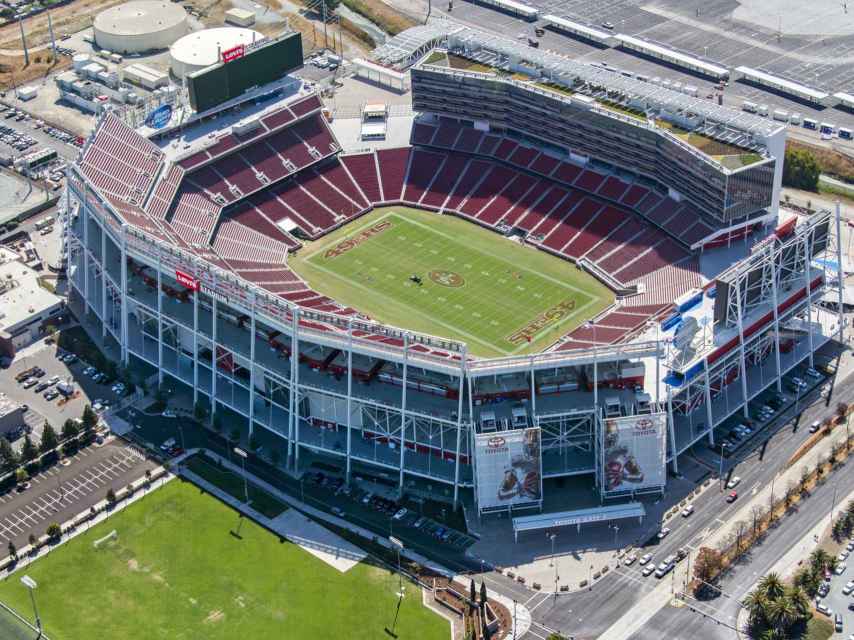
<point>477,286</point>
<point>233,485</point>
<point>176,572</point>
<point>819,628</point>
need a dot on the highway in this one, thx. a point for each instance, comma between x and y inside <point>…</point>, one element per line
<point>588,614</point>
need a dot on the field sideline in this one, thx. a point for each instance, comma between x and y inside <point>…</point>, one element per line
<point>176,571</point>
<point>499,297</point>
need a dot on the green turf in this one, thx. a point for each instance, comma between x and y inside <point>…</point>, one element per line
<point>500,291</point>
<point>176,572</point>
<point>232,484</point>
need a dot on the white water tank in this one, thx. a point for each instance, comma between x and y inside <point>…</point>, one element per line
<point>140,25</point>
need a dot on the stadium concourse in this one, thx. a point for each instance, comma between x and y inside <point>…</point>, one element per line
<point>179,246</point>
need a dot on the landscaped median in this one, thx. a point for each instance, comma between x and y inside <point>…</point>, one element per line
<point>712,562</point>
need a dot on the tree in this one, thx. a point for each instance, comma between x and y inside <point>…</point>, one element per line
<point>32,539</point>
<point>54,531</point>
<point>8,457</point>
<point>21,476</point>
<point>69,430</point>
<point>708,565</point>
<point>472,592</point>
<point>772,586</point>
<point>13,551</point>
<point>800,170</point>
<point>331,6</point>
<point>820,560</point>
<point>49,440</point>
<point>89,418</point>
<point>482,593</point>
<point>800,601</point>
<point>111,497</point>
<point>757,607</point>
<point>29,452</point>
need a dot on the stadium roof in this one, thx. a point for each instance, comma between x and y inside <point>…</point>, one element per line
<point>412,43</point>
<point>675,57</point>
<point>557,65</point>
<point>789,86</point>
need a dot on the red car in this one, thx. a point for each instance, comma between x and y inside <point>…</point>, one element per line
<point>732,497</point>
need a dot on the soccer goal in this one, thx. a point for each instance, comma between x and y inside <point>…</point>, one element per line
<point>110,536</point>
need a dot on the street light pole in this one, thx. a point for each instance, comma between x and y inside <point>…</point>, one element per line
<point>242,454</point>
<point>31,585</point>
<point>397,544</point>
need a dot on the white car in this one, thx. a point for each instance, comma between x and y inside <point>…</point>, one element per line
<point>166,446</point>
<point>733,483</point>
<point>823,608</point>
<point>663,533</point>
<point>168,414</point>
<point>848,588</point>
<point>687,511</point>
<point>400,513</point>
<point>647,570</point>
<point>840,568</point>
<point>645,558</point>
<point>630,559</point>
<point>843,555</point>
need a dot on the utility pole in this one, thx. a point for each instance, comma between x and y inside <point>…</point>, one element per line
<point>52,37</point>
<point>24,43</point>
<point>323,14</point>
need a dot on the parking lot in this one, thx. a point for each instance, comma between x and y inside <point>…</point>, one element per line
<point>65,490</point>
<point>732,434</point>
<point>55,409</point>
<point>835,598</point>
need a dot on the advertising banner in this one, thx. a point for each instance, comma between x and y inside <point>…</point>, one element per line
<point>234,53</point>
<point>635,453</point>
<point>187,280</point>
<point>509,468</point>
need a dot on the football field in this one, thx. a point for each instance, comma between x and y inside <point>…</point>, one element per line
<point>448,277</point>
<point>175,570</point>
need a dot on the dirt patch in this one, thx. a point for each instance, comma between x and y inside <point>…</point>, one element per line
<point>832,163</point>
<point>13,71</point>
<point>214,617</point>
<point>133,564</point>
<point>69,18</point>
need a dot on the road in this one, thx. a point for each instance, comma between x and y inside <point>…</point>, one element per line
<point>583,615</point>
<point>709,620</point>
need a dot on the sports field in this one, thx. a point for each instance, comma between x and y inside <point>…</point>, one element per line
<point>176,571</point>
<point>449,277</point>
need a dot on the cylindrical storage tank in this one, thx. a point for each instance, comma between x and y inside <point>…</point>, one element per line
<point>80,60</point>
<point>140,25</point>
<point>201,49</point>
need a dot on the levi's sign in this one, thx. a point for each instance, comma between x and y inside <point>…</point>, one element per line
<point>234,53</point>
<point>187,280</point>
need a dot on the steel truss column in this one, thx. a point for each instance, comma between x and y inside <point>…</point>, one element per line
<point>741,356</point>
<point>213,357</point>
<point>295,386</point>
<point>533,392</point>
<point>403,410</point>
<point>252,370</point>
<point>195,346</point>
<point>159,318</point>
<point>672,429</point>
<point>349,398</point>
<point>84,214</point>
<point>103,281</point>
<point>840,271</point>
<point>807,275</point>
<point>708,390</point>
<point>124,304</point>
<point>459,430</point>
<point>776,323</point>
<point>472,430</point>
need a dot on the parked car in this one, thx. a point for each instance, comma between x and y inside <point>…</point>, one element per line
<point>732,497</point>
<point>815,426</point>
<point>687,511</point>
<point>647,570</point>
<point>823,608</point>
<point>30,382</point>
<point>663,533</point>
<point>630,559</point>
<point>645,558</point>
<point>733,482</point>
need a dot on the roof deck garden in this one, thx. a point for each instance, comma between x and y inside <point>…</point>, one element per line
<point>729,155</point>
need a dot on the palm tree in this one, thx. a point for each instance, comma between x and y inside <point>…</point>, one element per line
<point>757,606</point>
<point>772,634</point>
<point>771,586</point>
<point>820,560</point>
<point>800,601</point>
<point>782,613</point>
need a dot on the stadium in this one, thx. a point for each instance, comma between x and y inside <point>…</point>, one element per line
<point>567,272</point>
